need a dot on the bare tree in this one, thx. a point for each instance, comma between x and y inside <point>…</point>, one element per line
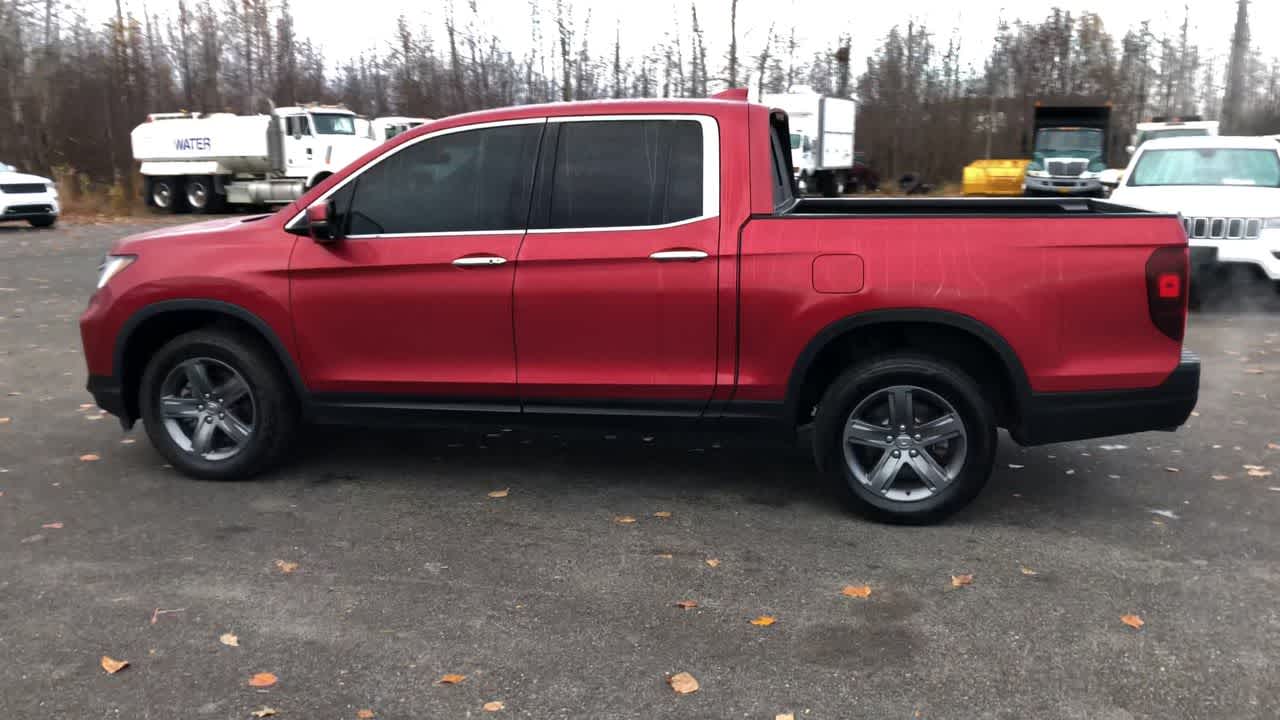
<point>1233,102</point>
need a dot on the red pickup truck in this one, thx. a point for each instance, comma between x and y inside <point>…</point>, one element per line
<point>648,259</point>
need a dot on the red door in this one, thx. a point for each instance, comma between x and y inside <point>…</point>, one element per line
<point>615,295</point>
<point>416,300</point>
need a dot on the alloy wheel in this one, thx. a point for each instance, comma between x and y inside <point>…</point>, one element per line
<point>208,408</point>
<point>905,443</point>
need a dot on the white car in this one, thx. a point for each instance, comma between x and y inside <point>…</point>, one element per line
<point>1226,188</point>
<point>27,197</point>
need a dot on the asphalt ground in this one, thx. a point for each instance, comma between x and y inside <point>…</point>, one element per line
<point>407,570</point>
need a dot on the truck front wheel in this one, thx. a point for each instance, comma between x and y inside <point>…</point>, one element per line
<point>910,436</point>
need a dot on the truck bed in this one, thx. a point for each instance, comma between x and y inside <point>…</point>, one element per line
<point>979,207</point>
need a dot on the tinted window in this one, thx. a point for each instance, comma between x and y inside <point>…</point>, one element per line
<point>781,169</point>
<point>627,172</point>
<point>466,181</point>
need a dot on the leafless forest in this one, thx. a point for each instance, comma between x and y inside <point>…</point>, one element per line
<point>73,89</point>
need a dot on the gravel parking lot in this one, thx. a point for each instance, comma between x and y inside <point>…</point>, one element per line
<point>407,569</point>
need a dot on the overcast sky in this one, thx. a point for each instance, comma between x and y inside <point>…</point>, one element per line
<point>345,27</point>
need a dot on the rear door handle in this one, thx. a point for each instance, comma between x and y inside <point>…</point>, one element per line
<point>667,255</point>
<point>479,260</point>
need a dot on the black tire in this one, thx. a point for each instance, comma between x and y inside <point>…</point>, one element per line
<point>200,194</point>
<point>43,222</point>
<point>946,381</point>
<point>167,194</point>
<point>275,408</point>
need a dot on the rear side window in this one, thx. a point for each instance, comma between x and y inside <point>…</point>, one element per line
<point>476,180</point>
<point>625,173</point>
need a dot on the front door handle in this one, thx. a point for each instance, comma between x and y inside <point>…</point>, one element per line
<point>479,260</point>
<point>667,255</point>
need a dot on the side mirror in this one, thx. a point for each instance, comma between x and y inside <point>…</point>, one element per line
<point>320,223</point>
<point>1130,148</point>
<point>1110,177</point>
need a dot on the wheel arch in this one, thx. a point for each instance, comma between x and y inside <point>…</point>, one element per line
<point>964,340</point>
<point>149,328</point>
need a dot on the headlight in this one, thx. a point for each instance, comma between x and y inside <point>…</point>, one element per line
<point>53,189</point>
<point>1271,223</point>
<point>1037,173</point>
<point>111,266</point>
<point>1090,175</point>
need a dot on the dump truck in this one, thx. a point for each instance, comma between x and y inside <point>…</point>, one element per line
<point>202,162</point>
<point>1071,143</point>
<point>822,136</point>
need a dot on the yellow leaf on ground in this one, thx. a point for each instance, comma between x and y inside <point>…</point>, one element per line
<point>263,679</point>
<point>1273,446</point>
<point>1259,473</point>
<point>1254,467</point>
<point>662,514</point>
<point>664,556</point>
<point>113,666</point>
<point>713,562</point>
<point>683,683</point>
<point>785,716</point>
<point>1221,477</point>
<point>961,580</point>
<point>500,493</point>
<point>89,457</point>
<point>364,714</point>
<point>264,712</point>
<point>1029,572</point>
<point>764,621</point>
<point>229,639</point>
<point>286,567</point>
<point>623,519</point>
<point>451,679</point>
<point>52,526</point>
<point>1132,621</point>
<point>858,591</point>
<point>5,420</point>
<point>493,706</point>
<point>686,604</point>
<point>1254,371</point>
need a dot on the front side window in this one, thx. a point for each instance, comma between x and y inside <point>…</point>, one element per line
<point>333,124</point>
<point>1208,166</point>
<point>627,173</point>
<point>469,181</point>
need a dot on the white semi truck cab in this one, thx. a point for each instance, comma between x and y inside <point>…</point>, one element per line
<point>203,161</point>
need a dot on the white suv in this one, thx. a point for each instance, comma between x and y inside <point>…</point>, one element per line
<point>1226,188</point>
<point>27,197</point>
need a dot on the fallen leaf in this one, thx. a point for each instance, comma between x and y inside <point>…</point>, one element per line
<point>1164,513</point>
<point>85,406</point>
<point>451,679</point>
<point>1132,621</point>
<point>1221,477</point>
<point>683,683</point>
<point>785,716</point>
<point>764,621</point>
<point>5,420</point>
<point>89,457</point>
<point>623,519</point>
<point>286,567</point>
<point>713,562</point>
<point>664,556</point>
<point>500,493</point>
<point>1195,413</point>
<point>1259,473</point>
<point>1254,371</point>
<point>1255,467</point>
<point>493,706</point>
<point>1273,446</point>
<point>229,639</point>
<point>364,714</point>
<point>1029,572</point>
<point>961,580</point>
<point>1172,469</point>
<point>94,417</point>
<point>263,679</point>
<point>1113,447</point>
<point>52,526</point>
<point>686,604</point>
<point>264,712</point>
<point>857,591</point>
<point>1237,393</point>
<point>128,441</point>
<point>662,514</point>
<point>113,666</point>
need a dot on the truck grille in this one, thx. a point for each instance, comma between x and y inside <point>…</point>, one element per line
<point>1222,228</point>
<point>22,188</point>
<point>1063,168</point>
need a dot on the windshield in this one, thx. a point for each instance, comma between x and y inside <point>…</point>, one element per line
<point>333,124</point>
<point>796,139</point>
<point>1146,135</point>
<point>1085,141</point>
<point>1208,166</point>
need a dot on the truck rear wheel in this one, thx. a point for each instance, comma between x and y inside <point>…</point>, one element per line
<point>202,197</point>
<point>165,194</point>
<point>910,436</point>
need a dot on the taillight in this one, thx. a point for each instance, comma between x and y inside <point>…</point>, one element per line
<point>1167,290</point>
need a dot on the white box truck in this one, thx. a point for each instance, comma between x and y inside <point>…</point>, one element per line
<point>202,162</point>
<point>821,138</point>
